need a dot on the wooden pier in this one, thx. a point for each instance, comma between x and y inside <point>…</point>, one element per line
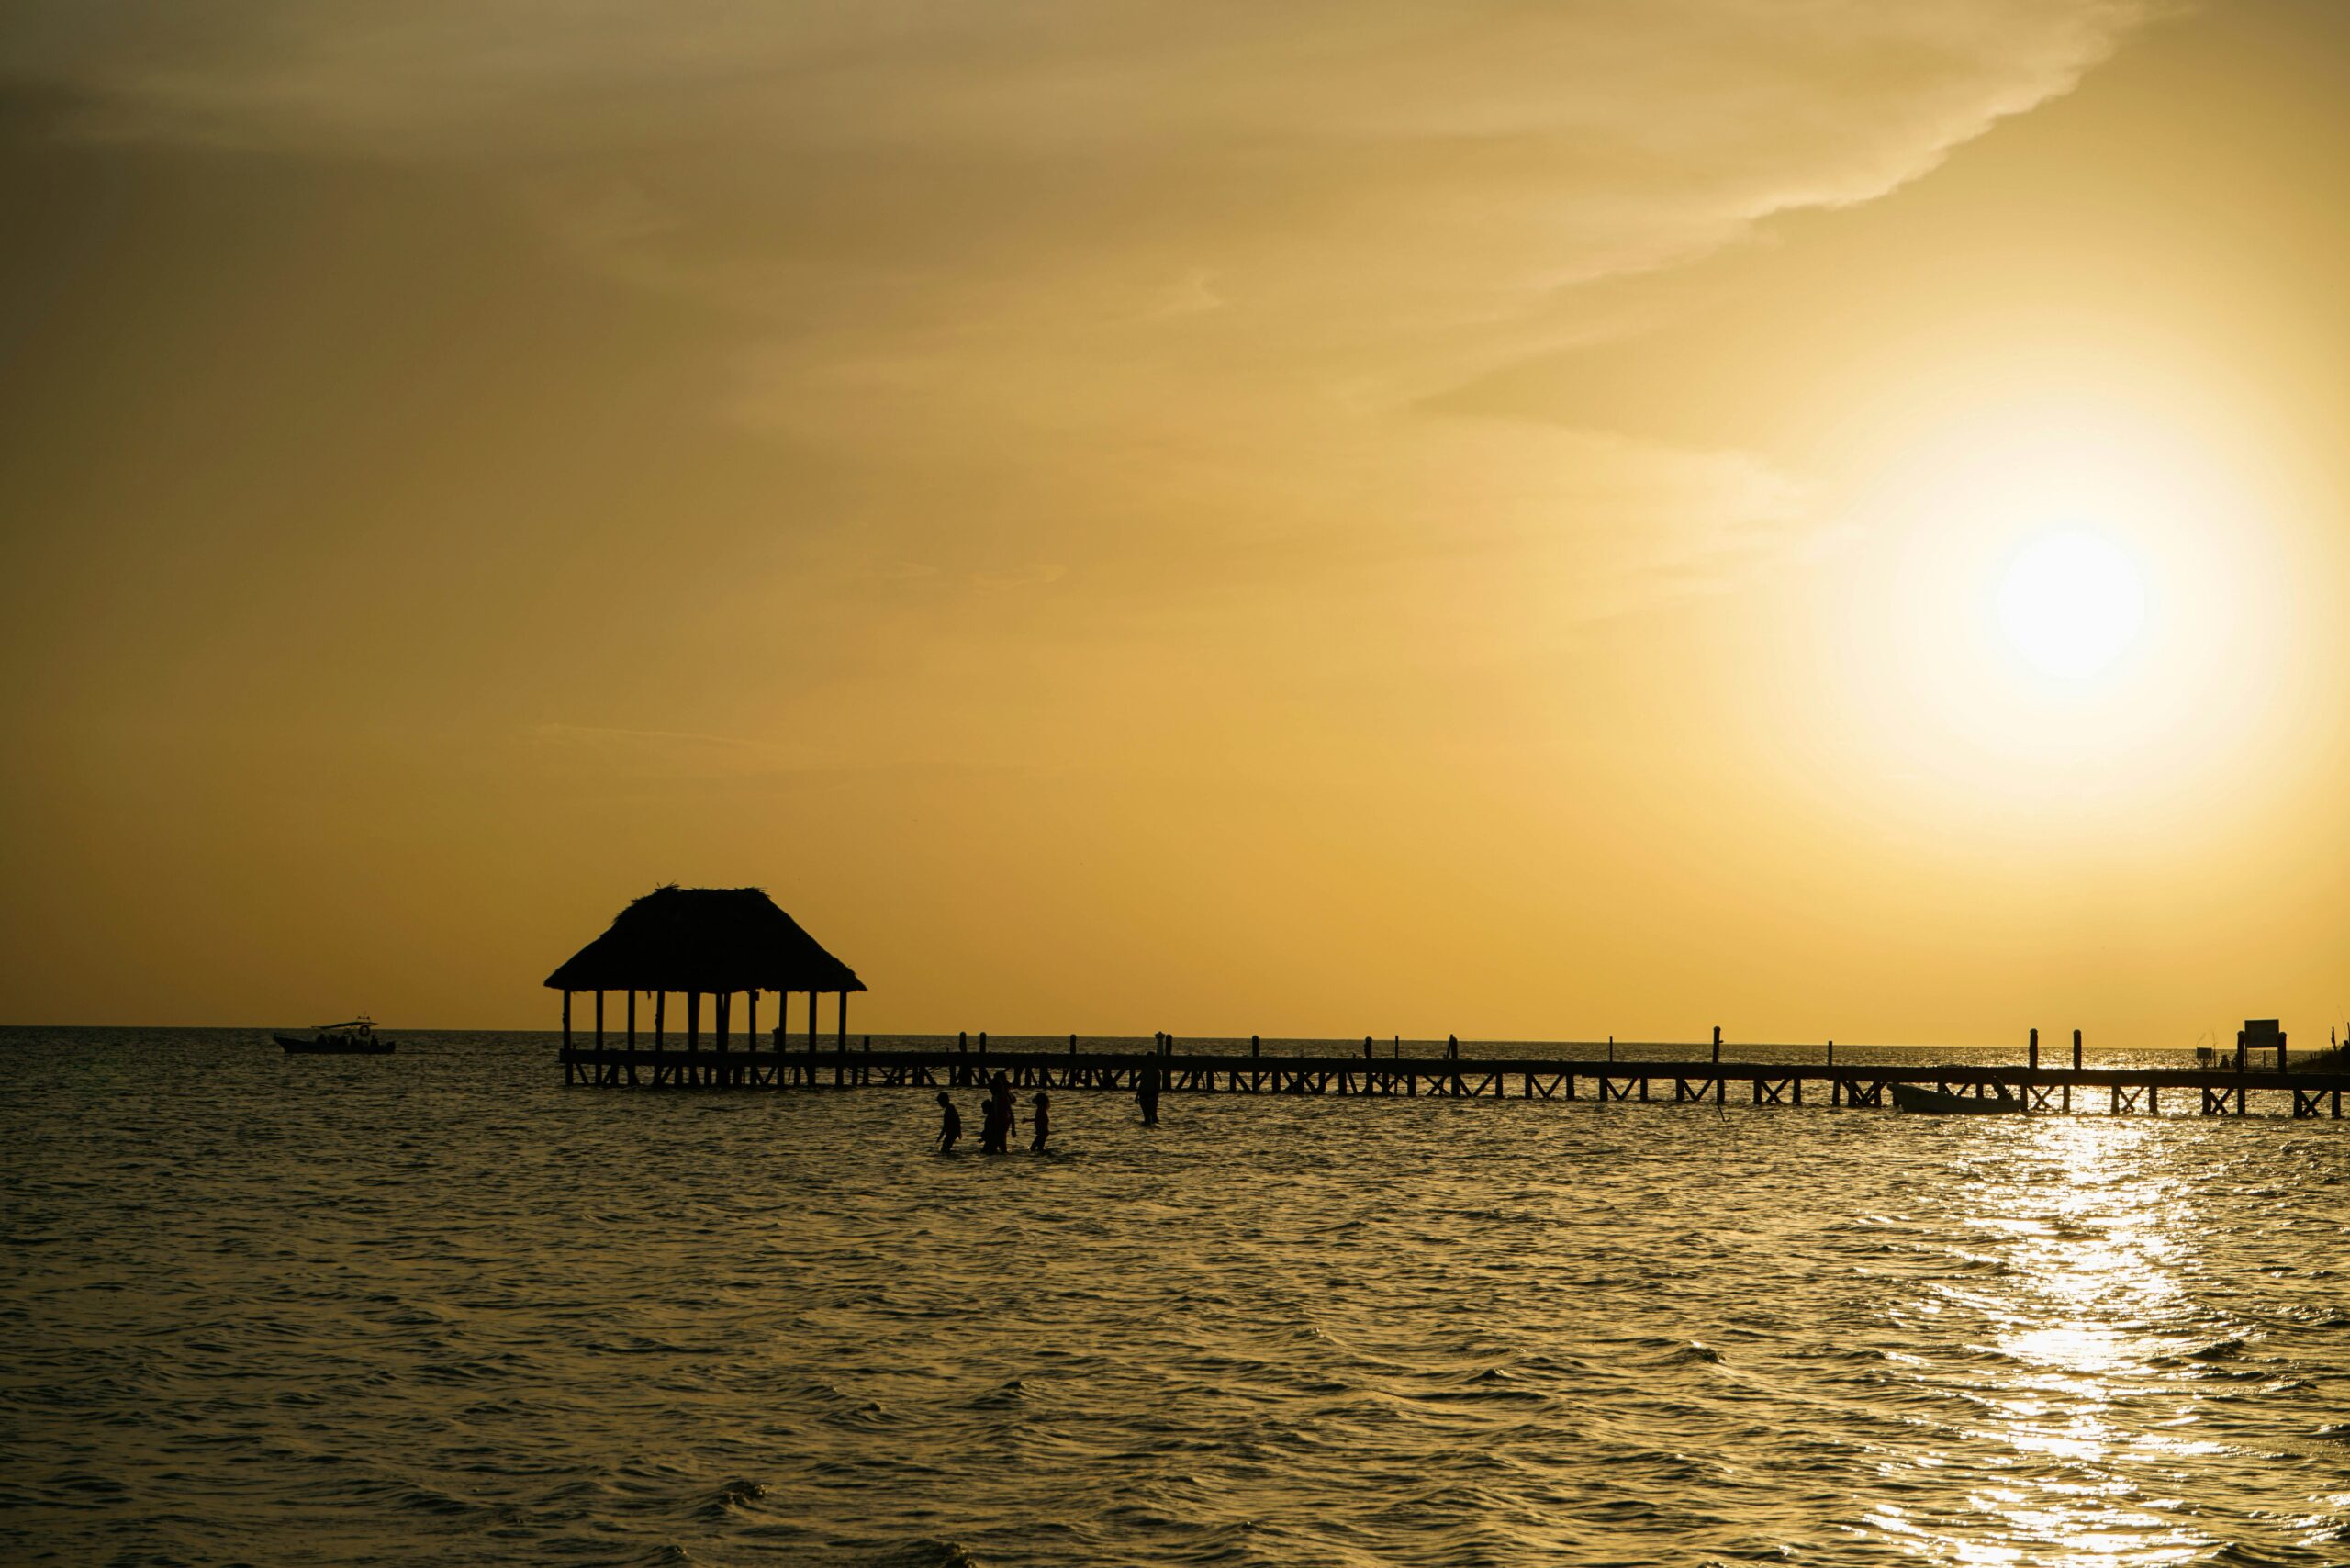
<point>2213,1091</point>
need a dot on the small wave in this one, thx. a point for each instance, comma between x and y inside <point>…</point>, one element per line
<point>2237,1556</point>
<point>2211,1355</point>
<point>428,1500</point>
<point>867,1414</point>
<point>645,1344</point>
<point>731,1497</point>
<point>1480,1397</point>
<point>926,1552</point>
<point>2323,1317</point>
<point>1695,1350</point>
<point>1002,1399</point>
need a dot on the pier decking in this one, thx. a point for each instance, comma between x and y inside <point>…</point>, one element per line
<point>2211,1092</point>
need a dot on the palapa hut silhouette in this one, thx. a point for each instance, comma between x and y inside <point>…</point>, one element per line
<point>716,940</point>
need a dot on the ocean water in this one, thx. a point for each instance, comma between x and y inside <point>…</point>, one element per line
<point>436,1308</point>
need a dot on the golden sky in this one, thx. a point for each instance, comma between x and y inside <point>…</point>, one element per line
<point>1404,516</point>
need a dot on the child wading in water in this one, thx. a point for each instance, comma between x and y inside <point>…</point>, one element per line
<point>1044,1124</point>
<point>950,1124</point>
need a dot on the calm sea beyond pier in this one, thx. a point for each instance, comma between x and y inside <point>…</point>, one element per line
<point>439,1307</point>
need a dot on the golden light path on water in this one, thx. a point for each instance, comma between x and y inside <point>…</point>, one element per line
<point>2084,1315</point>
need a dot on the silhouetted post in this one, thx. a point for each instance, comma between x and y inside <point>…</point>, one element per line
<point>1072,1044</point>
<point>600,1020</point>
<point>1717,1044</point>
<point>1366,1047</point>
<point>632,1022</point>
<point>751,1020</point>
<point>566,1020</point>
<point>2280,1051</point>
<point>2033,1056</point>
<point>660,1020</point>
<point>983,1042</point>
<point>1452,1044</point>
<point>840,1024</point>
<point>2076,1051</point>
<point>720,1003</point>
<point>1611,1048</point>
<point>811,1025</point>
<point>962,1039</point>
<point>1254,1048</point>
<point>1832,1053</point>
<point>693,1020</point>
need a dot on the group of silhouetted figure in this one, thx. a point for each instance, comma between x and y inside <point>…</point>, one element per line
<point>997,1114</point>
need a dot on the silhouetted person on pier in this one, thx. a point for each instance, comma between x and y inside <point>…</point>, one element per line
<point>1044,1124</point>
<point>950,1124</point>
<point>1146,1094</point>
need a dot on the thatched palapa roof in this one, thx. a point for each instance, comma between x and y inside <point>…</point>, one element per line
<point>704,939</point>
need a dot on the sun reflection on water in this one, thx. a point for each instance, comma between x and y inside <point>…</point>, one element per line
<point>2073,1240</point>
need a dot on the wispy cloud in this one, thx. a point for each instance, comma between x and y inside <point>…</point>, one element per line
<point>1036,250</point>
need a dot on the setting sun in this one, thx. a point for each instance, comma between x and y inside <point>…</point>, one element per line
<point>2072,603</point>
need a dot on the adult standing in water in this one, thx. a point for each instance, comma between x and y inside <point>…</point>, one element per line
<point>1044,1123</point>
<point>950,1124</point>
<point>995,1138</point>
<point>1146,1094</point>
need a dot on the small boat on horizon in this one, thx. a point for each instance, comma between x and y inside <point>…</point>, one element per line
<point>1922,1101</point>
<point>355,1038</point>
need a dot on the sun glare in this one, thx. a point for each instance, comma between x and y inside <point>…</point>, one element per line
<point>2072,603</point>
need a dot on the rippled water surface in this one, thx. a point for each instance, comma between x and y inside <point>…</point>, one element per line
<point>437,1308</point>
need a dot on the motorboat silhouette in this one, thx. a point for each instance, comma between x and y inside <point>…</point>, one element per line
<point>355,1038</point>
<point>1941,1103</point>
